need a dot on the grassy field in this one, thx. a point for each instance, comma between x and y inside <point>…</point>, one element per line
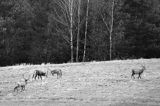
<point>84,84</point>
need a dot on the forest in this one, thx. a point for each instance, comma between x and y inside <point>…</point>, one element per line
<point>59,31</point>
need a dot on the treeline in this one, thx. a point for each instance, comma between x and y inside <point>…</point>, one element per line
<point>57,31</point>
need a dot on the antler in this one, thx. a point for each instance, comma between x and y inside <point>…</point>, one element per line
<point>142,65</point>
<point>26,78</point>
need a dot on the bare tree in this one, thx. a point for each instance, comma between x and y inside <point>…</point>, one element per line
<point>109,26</point>
<point>111,30</point>
<point>71,27</point>
<point>86,28</point>
<point>64,15</point>
<point>78,28</point>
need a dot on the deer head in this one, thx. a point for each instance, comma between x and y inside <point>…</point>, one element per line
<point>26,79</point>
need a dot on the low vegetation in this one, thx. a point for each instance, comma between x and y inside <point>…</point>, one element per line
<point>89,84</point>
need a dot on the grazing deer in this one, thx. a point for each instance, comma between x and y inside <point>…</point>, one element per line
<point>21,85</point>
<point>38,74</point>
<point>138,71</point>
<point>58,72</point>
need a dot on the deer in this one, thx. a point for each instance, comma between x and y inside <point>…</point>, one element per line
<point>58,72</point>
<point>39,73</point>
<point>138,71</point>
<point>21,85</point>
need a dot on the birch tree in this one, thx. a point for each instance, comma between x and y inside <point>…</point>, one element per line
<point>86,27</point>
<point>71,27</point>
<point>78,28</point>
<point>64,15</point>
<point>109,25</point>
<point>111,30</point>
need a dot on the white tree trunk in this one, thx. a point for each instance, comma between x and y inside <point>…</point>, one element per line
<point>71,28</point>
<point>85,40</point>
<point>109,26</point>
<point>65,16</point>
<point>77,50</point>
<point>111,30</point>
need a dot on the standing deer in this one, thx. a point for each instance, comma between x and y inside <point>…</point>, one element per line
<point>21,85</point>
<point>58,72</point>
<point>138,71</point>
<point>38,74</point>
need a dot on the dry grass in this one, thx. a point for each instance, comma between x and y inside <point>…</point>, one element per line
<point>87,84</point>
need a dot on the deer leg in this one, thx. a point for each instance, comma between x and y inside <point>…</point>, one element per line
<point>21,88</point>
<point>38,76</point>
<point>35,77</point>
<point>16,88</point>
<point>57,76</point>
<point>61,74</point>
<point>132,76</point>
<point>139,76</point>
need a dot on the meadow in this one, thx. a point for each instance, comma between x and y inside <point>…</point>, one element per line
<point>106,83</point>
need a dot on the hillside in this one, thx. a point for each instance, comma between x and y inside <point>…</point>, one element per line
<point>87,84</point>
